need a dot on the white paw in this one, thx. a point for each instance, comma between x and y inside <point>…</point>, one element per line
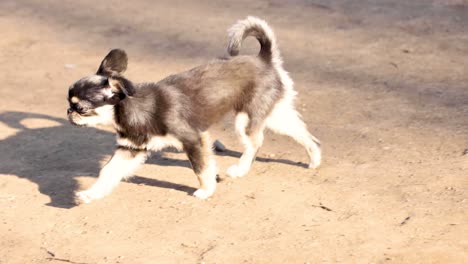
<point>235,171</point>
<point>315,162</point>
<point>203,194</point>
<point>87,196</point>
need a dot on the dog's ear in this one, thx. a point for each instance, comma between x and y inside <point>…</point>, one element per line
<point>121,86</point>
<point>115,63</point>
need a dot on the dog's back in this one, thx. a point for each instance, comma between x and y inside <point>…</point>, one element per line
<point>222,86</point>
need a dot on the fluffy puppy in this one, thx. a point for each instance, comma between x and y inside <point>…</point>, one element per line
<point>178,110</point>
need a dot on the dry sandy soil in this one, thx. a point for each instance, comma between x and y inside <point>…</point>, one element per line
<point>383,84</point>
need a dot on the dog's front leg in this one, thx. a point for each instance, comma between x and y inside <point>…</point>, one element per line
<point>122,164</point>
<point>200,154</point>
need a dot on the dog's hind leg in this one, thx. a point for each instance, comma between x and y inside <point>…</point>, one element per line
<point>200,154</point>
<point>285,120</point>
<point>251,135</point>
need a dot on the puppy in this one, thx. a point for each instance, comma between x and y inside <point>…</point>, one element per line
<point>178,110</point>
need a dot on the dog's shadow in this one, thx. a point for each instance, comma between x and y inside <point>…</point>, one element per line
<point>54,155</point>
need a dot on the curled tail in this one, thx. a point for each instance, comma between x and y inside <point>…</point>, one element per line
<point>252,26</point>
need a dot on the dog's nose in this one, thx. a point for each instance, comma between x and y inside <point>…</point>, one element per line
<point>69,110</point>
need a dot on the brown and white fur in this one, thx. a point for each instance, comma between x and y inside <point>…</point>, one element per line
<point>178,110</point>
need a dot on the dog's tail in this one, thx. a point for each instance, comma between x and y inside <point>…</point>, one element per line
<point>252,26</point>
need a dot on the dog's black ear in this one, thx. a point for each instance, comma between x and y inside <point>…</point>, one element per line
<point>121,86</point>
<point>114,63</point>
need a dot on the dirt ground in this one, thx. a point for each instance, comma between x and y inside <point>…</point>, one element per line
<point>382,83</point>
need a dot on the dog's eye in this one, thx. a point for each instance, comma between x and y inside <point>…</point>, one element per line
<point>80,109</point>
